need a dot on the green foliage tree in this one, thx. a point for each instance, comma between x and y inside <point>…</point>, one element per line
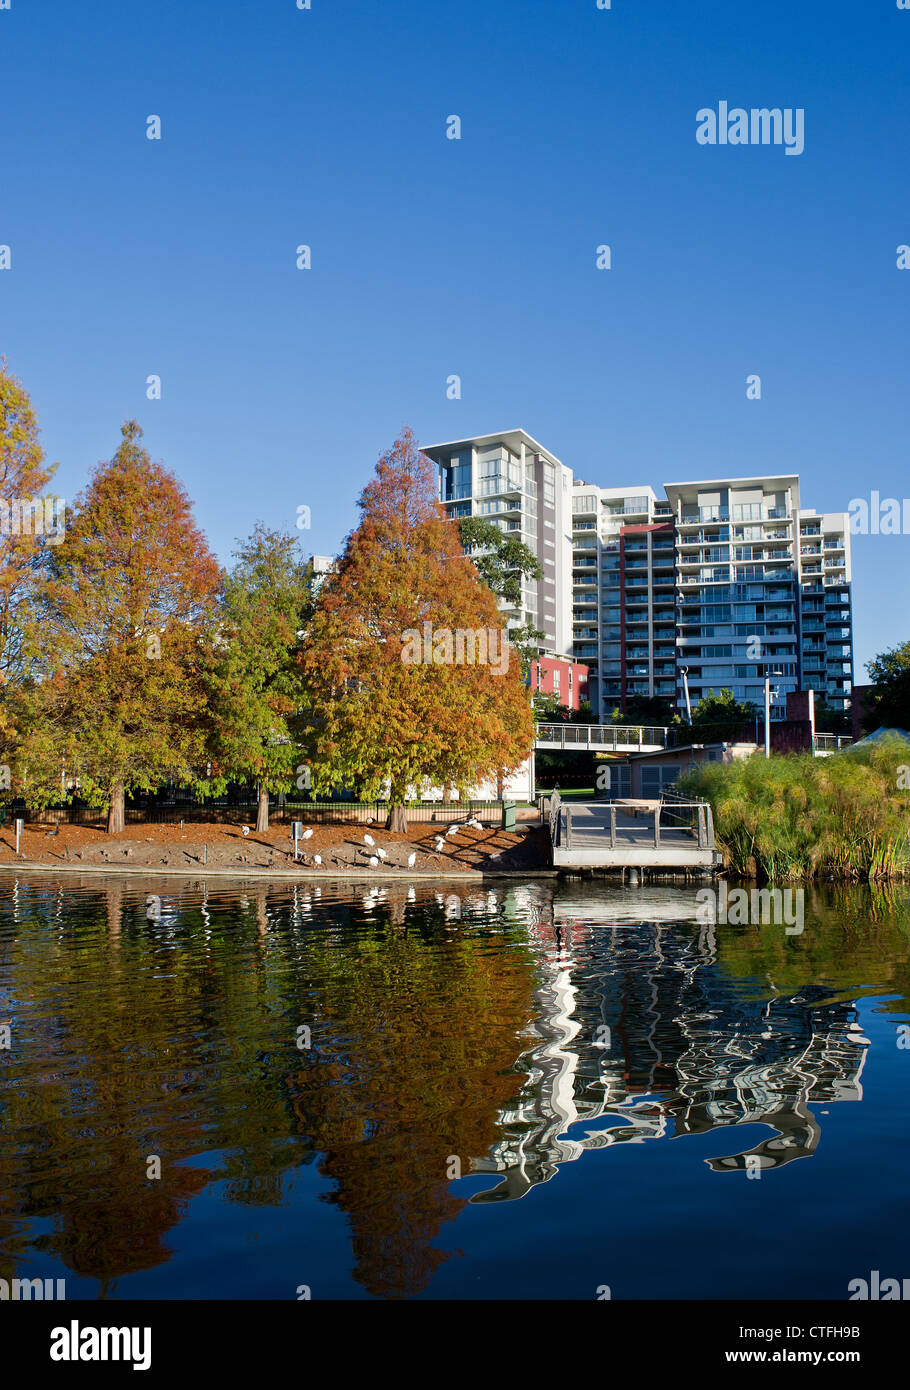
<point>889,700</point>
<point>721,717</point>
<point>653,710</point>
<point>256,690</point>
<point>503,561</point>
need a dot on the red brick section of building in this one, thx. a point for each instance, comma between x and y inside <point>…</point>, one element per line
<point>567,680</point>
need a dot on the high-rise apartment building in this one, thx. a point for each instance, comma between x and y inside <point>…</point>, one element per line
<point>720,584</point>
<point>512,480</point>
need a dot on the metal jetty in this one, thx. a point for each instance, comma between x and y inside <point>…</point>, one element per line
<point>674,835</point>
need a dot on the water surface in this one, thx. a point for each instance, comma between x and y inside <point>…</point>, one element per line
<point>528,1091</point>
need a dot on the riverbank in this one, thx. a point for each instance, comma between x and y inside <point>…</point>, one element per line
<point>330,851</point>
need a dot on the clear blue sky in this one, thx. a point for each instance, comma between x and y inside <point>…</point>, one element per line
<point>431,256</point>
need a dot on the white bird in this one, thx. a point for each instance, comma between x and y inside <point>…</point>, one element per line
<point>373,861</point>
<point>246,830</point>
<point>317,858</point>
<point>412,859</point>
<point>452,830</point>
<point>368,840</point>
<point>307,833</point>
<point>369,820</point>
<point>382,854</point>
<point>440,844</point>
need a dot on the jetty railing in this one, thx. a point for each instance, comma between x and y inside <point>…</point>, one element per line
<point>685,813</point>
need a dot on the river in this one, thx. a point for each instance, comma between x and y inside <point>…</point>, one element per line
<point>526,1090</point>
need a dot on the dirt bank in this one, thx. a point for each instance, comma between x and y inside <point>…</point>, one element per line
<point>330,849</point>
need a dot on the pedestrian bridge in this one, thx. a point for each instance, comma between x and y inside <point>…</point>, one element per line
<point>602,738</point>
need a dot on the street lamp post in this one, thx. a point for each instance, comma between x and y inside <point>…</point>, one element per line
<point>684,672</point>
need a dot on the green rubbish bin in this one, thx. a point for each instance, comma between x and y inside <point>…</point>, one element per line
<point>508,815</point>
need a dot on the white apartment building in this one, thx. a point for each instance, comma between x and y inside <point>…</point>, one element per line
<point>720,584</point>
<point>512,480</point>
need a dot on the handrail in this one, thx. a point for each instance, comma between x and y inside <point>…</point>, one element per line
<point>602,735</point>
<point>702,821</point>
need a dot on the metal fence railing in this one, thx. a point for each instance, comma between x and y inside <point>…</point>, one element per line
<point>602,735</point>
<point>830,743</point>
<point>685,813</point>
<point>244,812</point>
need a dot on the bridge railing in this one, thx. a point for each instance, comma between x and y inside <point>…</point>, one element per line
<point>602,735</point>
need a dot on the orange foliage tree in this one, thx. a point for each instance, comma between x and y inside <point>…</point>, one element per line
<point>409,677</point>
<point>130,610</point>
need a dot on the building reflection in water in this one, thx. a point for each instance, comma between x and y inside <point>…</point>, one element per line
<point>644,1036</point>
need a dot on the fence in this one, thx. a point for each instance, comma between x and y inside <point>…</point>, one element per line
<point>243,812</point>
<point>830,743</point>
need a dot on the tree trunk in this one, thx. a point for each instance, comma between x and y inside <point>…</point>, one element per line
<point>397,820</point>
<point>116,817</point>
<point>262,812</point>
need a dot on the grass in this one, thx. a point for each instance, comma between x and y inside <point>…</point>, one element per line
<point>799,817</point>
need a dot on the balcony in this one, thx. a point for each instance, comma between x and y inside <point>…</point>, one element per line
<point>705,514</point>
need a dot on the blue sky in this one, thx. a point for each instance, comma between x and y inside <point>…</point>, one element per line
<point>477,257</point>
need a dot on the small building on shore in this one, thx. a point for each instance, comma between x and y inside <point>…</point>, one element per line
<point>643,776</point>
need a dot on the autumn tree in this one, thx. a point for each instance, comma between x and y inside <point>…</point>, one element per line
<point>257,686</point>
<point>28,523</point>
<point>409,675</point>
<point>130,604</point>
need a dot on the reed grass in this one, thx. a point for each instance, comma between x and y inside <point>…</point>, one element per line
<point>797,817</point>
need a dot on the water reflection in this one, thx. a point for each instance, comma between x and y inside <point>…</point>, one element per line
<point>510,1030</point>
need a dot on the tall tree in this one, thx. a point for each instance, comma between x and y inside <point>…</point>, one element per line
<point>24,475</point>
<point>257,690</point>
<point>130,604</point>
<point>410,678</point>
